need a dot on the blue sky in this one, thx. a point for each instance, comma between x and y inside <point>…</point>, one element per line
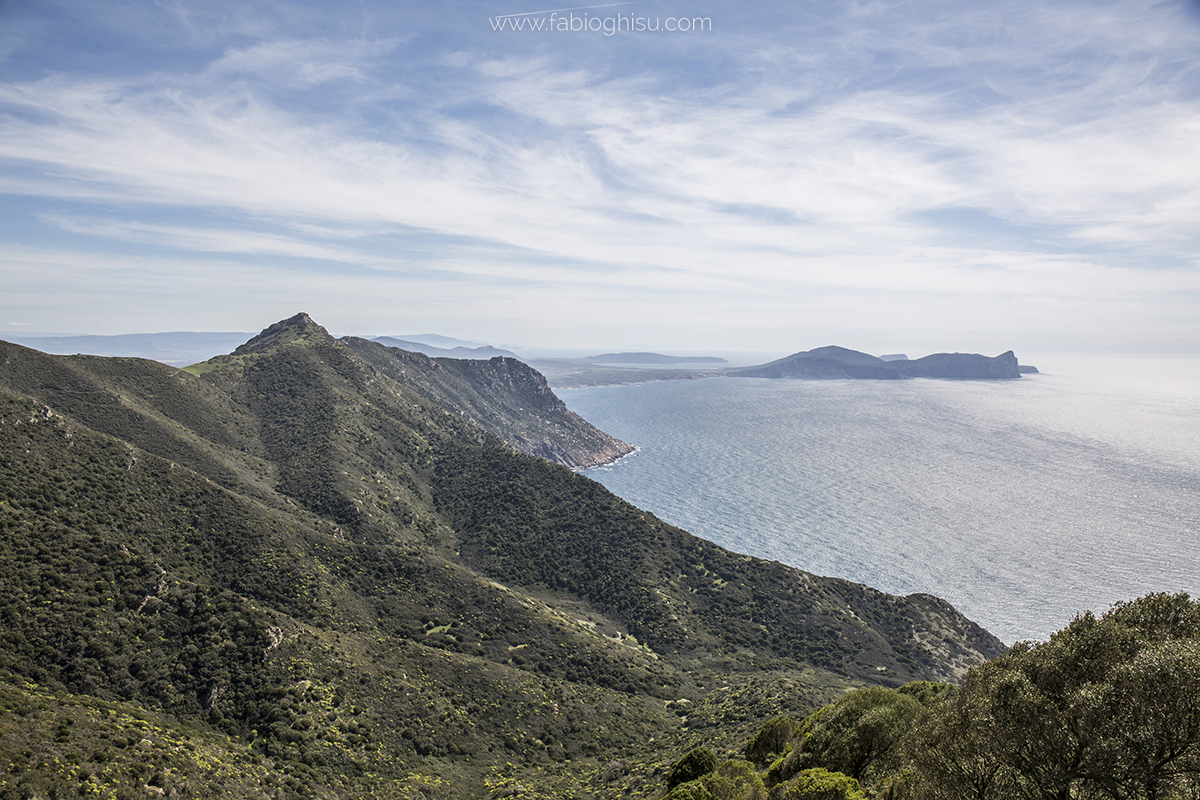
<point>910,176</point>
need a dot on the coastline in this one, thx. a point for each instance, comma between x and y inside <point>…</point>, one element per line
<point>607,464</point>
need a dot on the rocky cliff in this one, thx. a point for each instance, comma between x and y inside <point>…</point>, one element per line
<point>961,365</point>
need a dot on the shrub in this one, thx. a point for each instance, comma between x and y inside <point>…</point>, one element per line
<point>697,763</point>
<point>818,784</point>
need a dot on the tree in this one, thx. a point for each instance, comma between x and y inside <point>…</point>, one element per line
<point>1158,702</point>
<point>818,784</point>
<point>730,780</point>
<point>1108,707</point>
<point>773,740</point>
<point>856,736</point>
<point>695,764</point>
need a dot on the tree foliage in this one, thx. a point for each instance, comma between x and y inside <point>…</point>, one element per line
<point>1108,707</point>
<point>818,783</point>
<point>695,764</point>
<point>856,736</point>
<point>774,740</point>
<point>729,780</point>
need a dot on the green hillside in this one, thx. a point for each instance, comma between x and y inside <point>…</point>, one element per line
<point>327,568</point>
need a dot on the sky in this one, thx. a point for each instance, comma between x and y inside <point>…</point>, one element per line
<point>673,175</point>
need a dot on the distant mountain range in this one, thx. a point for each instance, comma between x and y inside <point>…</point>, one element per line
<point>652,358</point>
<point>483,352</point>
<point>435,340</point>
<point>182,348</point>
<point>831,362</point>
<point>177,349</point>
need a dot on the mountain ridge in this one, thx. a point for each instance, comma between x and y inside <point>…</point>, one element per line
<point>652,358</point>
<point>314,549</point>
<point>459,351</point>
<point>180,349</point>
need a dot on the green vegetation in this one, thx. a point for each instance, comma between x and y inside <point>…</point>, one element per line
<point>1107,708</point>
<point>309,568</point>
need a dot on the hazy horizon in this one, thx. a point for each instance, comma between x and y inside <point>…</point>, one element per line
<point>887,177</point>
<point>140,345</point>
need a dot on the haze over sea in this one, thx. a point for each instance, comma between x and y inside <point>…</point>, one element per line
<point>1021,502</point>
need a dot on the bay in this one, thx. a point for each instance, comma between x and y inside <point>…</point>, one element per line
<point>1021,502</point>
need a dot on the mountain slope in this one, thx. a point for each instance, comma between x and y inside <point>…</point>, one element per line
<point>823,362</point>
<point>307,548</point>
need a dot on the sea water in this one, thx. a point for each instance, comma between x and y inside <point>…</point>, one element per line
<point>1022,502</point>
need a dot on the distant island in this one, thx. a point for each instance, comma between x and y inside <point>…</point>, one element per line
<point>482,353</point>
<point>822,363</point>
<point>653,358</point>
<point>840,362</point>
<point>831,362</point>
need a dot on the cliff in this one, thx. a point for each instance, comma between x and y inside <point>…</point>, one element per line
<point>961,365</point>
<point>505,397</point>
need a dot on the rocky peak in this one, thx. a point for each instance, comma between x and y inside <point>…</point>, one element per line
<point>298,328</point>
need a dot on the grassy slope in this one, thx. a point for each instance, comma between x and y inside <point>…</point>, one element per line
<point>295,552</point>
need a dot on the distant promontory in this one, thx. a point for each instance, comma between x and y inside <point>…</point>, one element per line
<point>828,363</point>
<point>652,358</point>
<point>840,362</point>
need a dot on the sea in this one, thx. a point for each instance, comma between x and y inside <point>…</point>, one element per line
<point>1022,502</point>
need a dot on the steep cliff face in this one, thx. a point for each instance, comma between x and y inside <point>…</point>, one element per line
<point>961,365</point>
<point>504,397</point>
<point>522,409</point>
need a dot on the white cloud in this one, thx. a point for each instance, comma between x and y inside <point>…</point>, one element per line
<point>300,63</point>
<point>796,169</point>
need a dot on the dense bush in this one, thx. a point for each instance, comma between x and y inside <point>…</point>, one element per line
<point>818,783</point>
<point>775,739</point>
<point>730,780</point>
<point>698,762</point>
<point>1109,707</point>
<point>857,736</point>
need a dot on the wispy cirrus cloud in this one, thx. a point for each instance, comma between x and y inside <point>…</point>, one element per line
<point>1016,151</point>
